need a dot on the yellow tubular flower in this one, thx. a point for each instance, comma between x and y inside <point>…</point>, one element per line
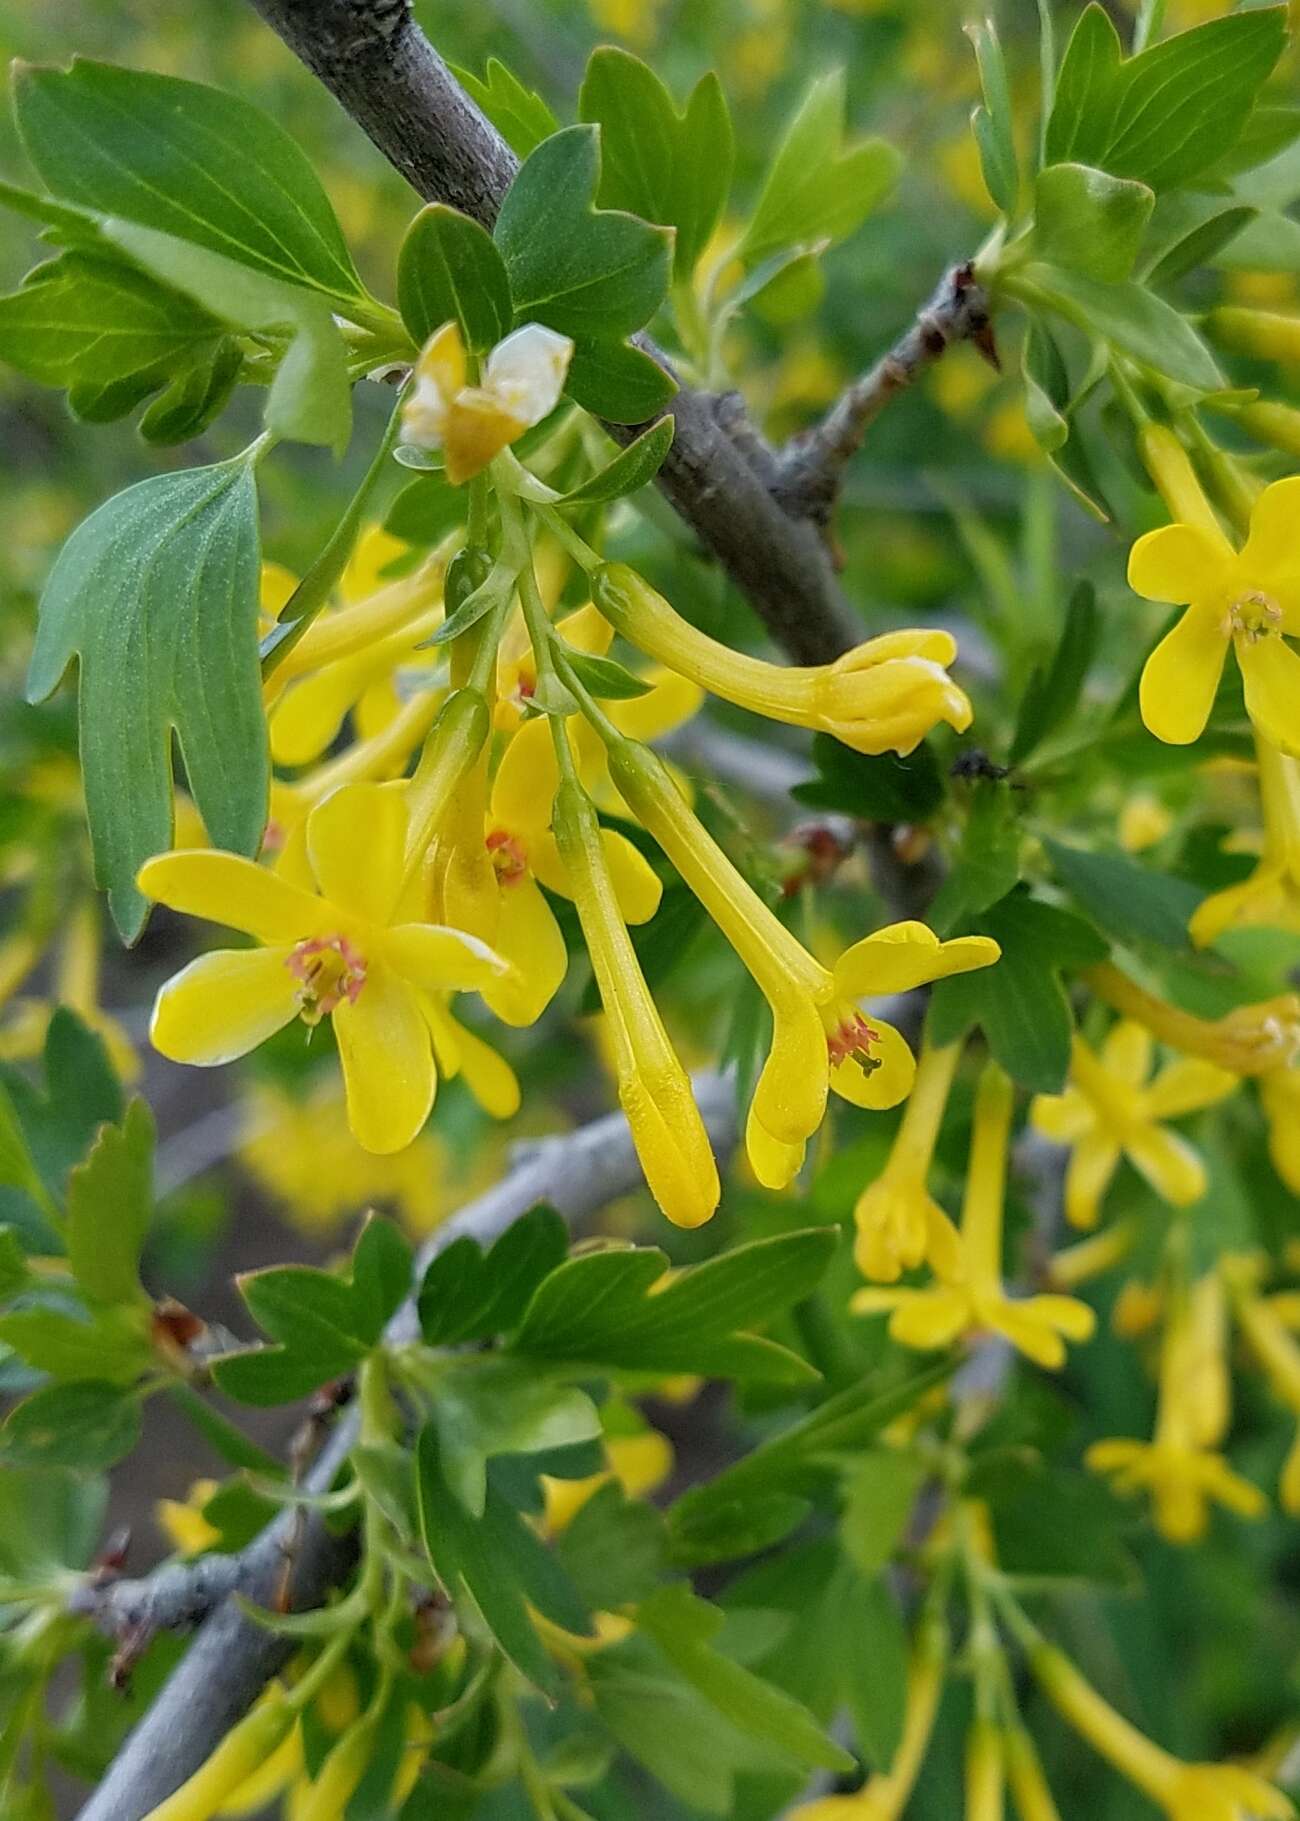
<point>985,1772</point>
<point>976,1300</point>
<point>1271,895</point>
<point>335,950</point>
<point>1186,1792</point>
<point>1249,599</point>
<point>884,696</point>
<point>522,381</point>
<point>346,1762</point>
<point>1033,1798</point>
<point>653,1088</point>
<point>1278,1355</point>
<point>1251,1040</point>
<point>820,1038</point>
<point>243,1751</point>
<point>1279,1096</point>
<point>276,1776</point>
<point>899,1223</point>
<point>1266,334</point>
<point>1179,1466</point>
<point>1111,1109</point>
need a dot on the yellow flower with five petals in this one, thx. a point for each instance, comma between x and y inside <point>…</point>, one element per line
<point>1111,1108</point>
<point>338,951</point>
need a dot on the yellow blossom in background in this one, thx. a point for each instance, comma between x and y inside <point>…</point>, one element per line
<point>974,1299</point>
<point>1112,1109</point>
<point>1279,1098</point>
<point>639,1462</point>
<point>1143,821</point>
<point>522,380</point>
<point>1271,895</point>
<point>335,950</point>
<point>899,1224</point>
<point>1247,599</point>
<point>634,21</point>
<point>183,1523</point>
<point>1267,1325</point>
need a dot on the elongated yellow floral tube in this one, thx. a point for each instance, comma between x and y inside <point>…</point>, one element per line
<point>1267,334</point>
<point>1175,479</point>
<point>1033,1798</point>
<point>389,611</point>
<point>654,1089</point>
<point>1252,1040</point>
<point>925,1679</point>
<point>455,742</point>
<point>986,1175</point>
<point>1271,423</point>
<point>1141,1760</point>
<point>883,696</point>
<point>239,1754</point>
<point>335,1783</point>
<point>985,1772</point>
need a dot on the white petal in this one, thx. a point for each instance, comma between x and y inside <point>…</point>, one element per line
<point>526,371</point>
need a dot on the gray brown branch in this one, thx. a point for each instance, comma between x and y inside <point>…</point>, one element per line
<point>375,60</point>
<point>232,1658</point>
<point>811,467</point>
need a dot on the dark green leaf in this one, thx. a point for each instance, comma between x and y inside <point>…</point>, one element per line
<point>1130,317</point>
<point>604,1309</point>
<point>110,1205</point>
<point>493,1405</point>
<point>50,1520</point>
<point>588,272</point>
<point>187,160</point>
<point>606,678</point>
<point>615,1548</point>
<point>424,510</point>
<point>111,1345</point>
<point>1130,900</point>
<point>630,469</point>
<point>196,395</point>
<point>1087,91</point>
<point>1058,1524</point>
<point>1053,692</point>
<point>987,863</point>
<point>382,1265</point>
<point>87,1424</point>
<point>667,167</point>
<point>470,1295</point>
<point>81,1093</point>
<point>1187,230</point>
<point>519,114</point>
<point>14,1274</point>
<point>1090,221</point>
<point>450,270</point>
<point>875,788</point>
<point>726,1533</point>
<point>170,567</point>
<point>619,382</point>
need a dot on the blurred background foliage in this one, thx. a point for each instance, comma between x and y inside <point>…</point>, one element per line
<point>949,518</point>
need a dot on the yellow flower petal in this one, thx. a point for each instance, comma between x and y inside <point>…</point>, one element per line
<point>307,717</point>
<point>929,1318</point>
<point>636,884</point>
<point>1092,1164</point>
<point>1177,564</point>
<point>224,888</point>
<point>440,960</point>
<point>223,1005</point>
<point>529,938</point>
<point>356,844</point>
<point>526,780</point>
<point>1272,550</point>
<point>387,1056</point>
<point>1127,1052</point>
<point>888,1083</point>
<point>487,1075</point>
<point>374,550</point>
<point>672,1145</point>
<point>1270,671</point>
<point>1181,676</point>
<point>1169,1164</point>
<point>1186,1085</point>
<point>774,1163</point>
<point>477,428</point>
<point>671,700</point>
<point>790,1096</point>
<point>1062,1117</point>
<point>905,955</point>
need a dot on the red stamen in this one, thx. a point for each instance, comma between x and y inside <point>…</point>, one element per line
<point>330,970</point>
<point>853,1039</point>
<point>508,856</point>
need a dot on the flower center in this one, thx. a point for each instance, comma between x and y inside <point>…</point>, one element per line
<point>508,856</point>
<point>329,970</point>
<point>1254,616</point>
<point>851,1041</point>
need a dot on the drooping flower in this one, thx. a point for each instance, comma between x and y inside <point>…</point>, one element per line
<point>523,378</point>
<point>1248,600</point>
<point>1112,1108</point>
<point>821,1038</point>
<point>1249,1040</point>
<point>985,1771</point>
<point>1186,1792</point>
<point>653,1087</point>
<point>975,1300</point>
<point>1180,1467</point>
<point>337,950</point>
<point>1271,895</point>
<point>884,696</point>
<point>899,1223</point>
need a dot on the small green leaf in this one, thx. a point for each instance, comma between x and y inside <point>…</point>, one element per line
<point>1130,900</point>
<point>1188,230</point>
<point>880,1492</point>
<point>1053,691</point>
<point>81,1094</point>
<point>450,270</point>
<point>110,1205</point>
<point>471,1295</point>
<point>382,1266</point>
<point>726,1533</point>
<point>85,1424</point>
<point>50,1519</point>
<point>874,788</point>
<point>987,863</point>
<point>169,567</point>
<point>502,1406</point>
<point>187,160</point>
<point>1129,316</point>
<point>1087,91</point>
<point>112,1345</point>
<point>619,382</point>
<point>1089,221</point>
<point>605,1309</point>
<point>588,272</point>
<point>630,469</point>
<point>17,1165</point>
<point>606,678</point>
<point>425,510</point>
<point>14,1272</point>
<point>615,1548</point>
<point>815,190</point>
<point>1049,410</point>
<point>667,167</point>
<point>993,122</point>
<point>519,114</point>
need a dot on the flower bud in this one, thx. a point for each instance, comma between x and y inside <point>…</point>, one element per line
<point>1267,334</point>
<point>242,1751</point>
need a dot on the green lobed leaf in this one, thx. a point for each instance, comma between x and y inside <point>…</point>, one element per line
<point>668,167</point>
<point>110,1205</point>
<point>606,1310</point>
<point>425,509</point>
<point>619,382</point>
<point>1049,407</point>
<point>875,788</point>
<point>1129,316</point>
<point>614,1548</point>
<point>449,269</point>
<point>168,568</point>
<point>14,1272</point>
<point>630,469</point>
<point>195,396</point>
<point>494,1405</point>
<point>17,1165</point>
<point>519,114</point>
<point>50,1520</point>
<point>1187,230</point>
<point>81,1093</point>
<point>468,1294</point>
<point>588,272</point>
<point>1052,693</point>
<point>1090,221</point>
<point>879,1493</point>
<point>726,1533</point>
<point>112,1345</point>
<point>1131,901</point>
<point>987,863</point>
<point>87,1424</point>
<point>187,160</point>
<point>815,190</point>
